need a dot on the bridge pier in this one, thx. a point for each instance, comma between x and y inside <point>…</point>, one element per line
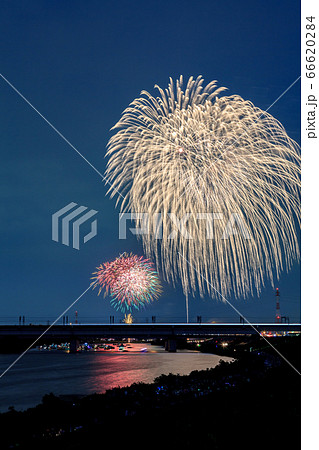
<point>74,344</point>
<point>170,345</point>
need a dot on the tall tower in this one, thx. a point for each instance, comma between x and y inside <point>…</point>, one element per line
<point>278,315</point>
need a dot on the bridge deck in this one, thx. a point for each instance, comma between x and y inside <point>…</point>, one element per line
<point>153,330</point>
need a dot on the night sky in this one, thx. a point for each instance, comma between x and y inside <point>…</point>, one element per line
<point>80,64</point>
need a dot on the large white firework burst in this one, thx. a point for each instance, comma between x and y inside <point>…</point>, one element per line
<point>190,153</point>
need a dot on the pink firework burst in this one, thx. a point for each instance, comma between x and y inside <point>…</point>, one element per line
<point>130,280</point>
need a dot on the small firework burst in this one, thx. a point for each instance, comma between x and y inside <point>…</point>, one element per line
<point>130,280</point>
<point>128,318</point>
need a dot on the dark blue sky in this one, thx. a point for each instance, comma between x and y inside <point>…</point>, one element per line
<point>80,64</point>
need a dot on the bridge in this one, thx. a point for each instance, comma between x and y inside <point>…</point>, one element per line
<point>22,336</point>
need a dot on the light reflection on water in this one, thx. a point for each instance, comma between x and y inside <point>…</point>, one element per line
<point>39,373</point>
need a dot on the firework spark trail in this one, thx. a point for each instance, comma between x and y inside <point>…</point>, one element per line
<point>174,144</point>
<point>130,280</point>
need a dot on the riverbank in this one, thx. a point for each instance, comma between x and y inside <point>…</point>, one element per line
<point>208,409</point>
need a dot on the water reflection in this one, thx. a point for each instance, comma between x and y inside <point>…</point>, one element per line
<point>133,366</point>
<point>39,373</point>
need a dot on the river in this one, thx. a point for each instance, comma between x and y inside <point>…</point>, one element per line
<point>41,372</point>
